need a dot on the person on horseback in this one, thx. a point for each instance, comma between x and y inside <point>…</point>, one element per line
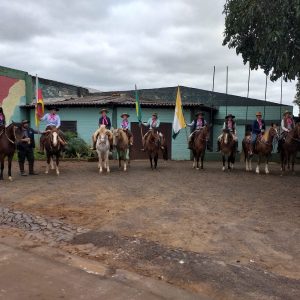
<point>52,120</point>
<point>287,124</point>
<point>229,125</point>
<point>2,118</point>
<point>258,128</point>
<point>125,125</point>
<point>25,148</point>
<point>103,120</point>
<point>197,124</point>
<point>153,123</point>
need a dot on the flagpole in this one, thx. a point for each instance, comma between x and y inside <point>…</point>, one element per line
<point>36,103</point>
<point>140,121</point>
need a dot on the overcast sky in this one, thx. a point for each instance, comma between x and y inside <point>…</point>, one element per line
<point>113,44</point>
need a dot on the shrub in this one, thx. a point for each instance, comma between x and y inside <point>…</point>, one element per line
<point>76,146</point>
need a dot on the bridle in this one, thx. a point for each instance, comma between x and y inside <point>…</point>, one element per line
<point>9,139</point>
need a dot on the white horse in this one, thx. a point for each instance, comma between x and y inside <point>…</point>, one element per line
<point>102,147</point>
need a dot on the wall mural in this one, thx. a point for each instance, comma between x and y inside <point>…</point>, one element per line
<point>12,94</point>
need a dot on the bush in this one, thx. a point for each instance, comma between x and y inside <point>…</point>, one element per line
<point>76,146</point>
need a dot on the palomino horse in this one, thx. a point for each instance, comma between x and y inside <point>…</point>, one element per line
<point>247,151</point>
<point>102,147</point>
<point>228,149</point>
<point>263,148</point>
<point>199,146</point>
<point>53,149</point>
<point>290,148</point>
<point>153,143</point>
<point>121,142</point>
<point>9,136</point>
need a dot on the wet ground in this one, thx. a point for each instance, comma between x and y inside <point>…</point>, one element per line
<point>225,235</point>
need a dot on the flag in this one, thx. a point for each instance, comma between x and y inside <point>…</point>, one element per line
<point>138,106</point>
<point>179,121</point>
<point>39,105</point>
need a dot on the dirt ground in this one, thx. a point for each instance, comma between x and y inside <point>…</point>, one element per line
<point>228,235</point>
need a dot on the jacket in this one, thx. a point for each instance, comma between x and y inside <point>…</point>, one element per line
<point>255,127</point>
<point>107,123</point>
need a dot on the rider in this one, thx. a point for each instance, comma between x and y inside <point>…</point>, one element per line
<point>103,120</point>
<point>229,125</point>
<point>152,123</point>
<point>125,125</point>
<point>2,117</point>
<point>197,124</point>
<point>25,148</point>
<point>287,124</point>
<point>52,120</point>
<point>258,128</point>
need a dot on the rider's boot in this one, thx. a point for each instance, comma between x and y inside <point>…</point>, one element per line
<point>94,146</point>
<point>22,171</point>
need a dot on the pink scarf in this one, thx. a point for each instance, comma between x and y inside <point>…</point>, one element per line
<point>259,121</point>
<point>229,124</point>
<point>153,122</point>
<point>104,121</point>
<point>52,117</point>
<point>289,121</point>
<point>124,123</point>
<point>199,123</point>
<point>1,117</point>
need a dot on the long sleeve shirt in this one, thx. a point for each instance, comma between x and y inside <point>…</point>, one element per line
<point>125,124</point>
<point>152,123</point>
<point>287,124</point>
<point>51,120</point>
<point>197,124</point>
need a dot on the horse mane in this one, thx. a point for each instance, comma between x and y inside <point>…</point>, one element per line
<point>265,136</point>
<point>102,129</point>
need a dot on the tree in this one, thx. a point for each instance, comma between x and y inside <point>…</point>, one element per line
<point>267,35</point>
<point>297,96</point>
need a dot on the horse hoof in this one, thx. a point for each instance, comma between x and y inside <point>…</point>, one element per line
<point>223,169</point>
<point>46,172</point>
<point>197,169</point>
<point>10,178</point>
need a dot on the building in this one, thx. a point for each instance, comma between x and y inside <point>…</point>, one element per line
<point>79,108</point>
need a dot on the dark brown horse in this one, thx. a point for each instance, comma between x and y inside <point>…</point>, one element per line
<point>53,149</point>
<point>228,149</point>
<point>9,137</point>
<point>153,143</point>
<point>199,146</point>
<point>290,148</point>
<point>263,148</point>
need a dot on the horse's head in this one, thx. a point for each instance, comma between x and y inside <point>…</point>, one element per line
<point>273,132</point>
<point>15,131</point>
<point>116,136</point>
<point>227,137</point>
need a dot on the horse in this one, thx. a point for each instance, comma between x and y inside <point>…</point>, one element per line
<point>247,151</point>
<point>102,147</point>
<point>153,143</point>
<point>263,148</point>
<point>199,146</point>
<point>290,148</point>
<point>121,142</point>
<point>9,137</point>
<point>53,149</point>
<point>228,149</point>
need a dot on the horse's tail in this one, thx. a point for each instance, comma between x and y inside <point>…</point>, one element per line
<point>165,153</point>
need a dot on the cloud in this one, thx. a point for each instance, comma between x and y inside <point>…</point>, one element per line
<point>113,44</point>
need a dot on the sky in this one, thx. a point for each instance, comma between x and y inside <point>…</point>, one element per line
<point>115,44</point>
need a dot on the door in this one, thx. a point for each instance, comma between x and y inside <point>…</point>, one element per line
<point>136,153</point>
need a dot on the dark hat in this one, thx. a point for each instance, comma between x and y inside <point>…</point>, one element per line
<point>230,115</point>
<point>25,121</point>
<point>103,110</point>
<point>199,113</point>
<point>125,114</point>
<point>53,108</point>
<point>154,115</point>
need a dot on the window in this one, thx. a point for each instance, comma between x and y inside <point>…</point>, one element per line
<point>69,126</point>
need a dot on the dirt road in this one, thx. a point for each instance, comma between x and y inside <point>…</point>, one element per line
<point>231,235</point>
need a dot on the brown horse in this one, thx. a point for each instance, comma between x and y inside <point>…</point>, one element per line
<point>290,148</point>
<point>263,148</point>
<point>53,149</point>
<point>228,149</point>
<point>121,142</point>
<point>9,137</point>
<point>247,151</point>
<point>199,146</point>
<point>153,143</point>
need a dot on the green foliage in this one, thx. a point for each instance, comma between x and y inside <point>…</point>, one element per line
<point>297,96</point>
<point>266,33</point>
<point>76,146</point>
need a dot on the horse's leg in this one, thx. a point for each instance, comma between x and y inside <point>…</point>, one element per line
<point>107,162</point>
<point>120,164</point>
<point>224,161</point>
<point>267,165</point>
<point>155,160</point>
<point>197,160</point>
<point>100,162</point>
<point>57,163</point>
<point>202,158</point>
<point>229,162</point>
<point>9,158</point>
<point>52,162</point>
<point>48,163</point>
<point>258,164</point>
<point>293,162</point>
<point>2,167</point>
<point>150,158</point>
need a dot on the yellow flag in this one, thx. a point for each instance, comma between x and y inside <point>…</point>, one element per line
<point>179,121</point>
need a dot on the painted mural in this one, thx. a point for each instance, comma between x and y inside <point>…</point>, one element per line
<point>12,94</point>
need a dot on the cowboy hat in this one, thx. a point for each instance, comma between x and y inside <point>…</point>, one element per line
<point>25,121</point>
<point>154,115</point>
<point>199,113</point>
<point>258,113</point>
<point>53,108</point>
<point>103,110</point>
<point>286,112</point>
<point>125,114</point>
<point>230,115</point>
